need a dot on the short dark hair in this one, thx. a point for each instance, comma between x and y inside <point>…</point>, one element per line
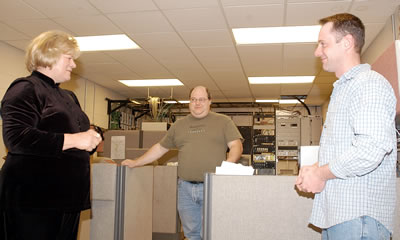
<point>346,23</point>
<point>208,92</point>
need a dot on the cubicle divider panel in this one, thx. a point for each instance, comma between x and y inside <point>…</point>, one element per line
<point>103,201</point>
<point>138,204</point>
<point>257,208</point>
<point>396,231</point>
<point>165,216</point>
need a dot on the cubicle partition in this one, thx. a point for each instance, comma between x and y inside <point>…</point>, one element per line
<point>121,202</point>
<point>260,207</point>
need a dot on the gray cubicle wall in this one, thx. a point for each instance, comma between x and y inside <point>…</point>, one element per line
<point>121,202</point>
<point>260,208</point>
<point>165,216</point>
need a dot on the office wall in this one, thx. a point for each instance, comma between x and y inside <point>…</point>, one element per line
<point>91,96</point>
<point>383,40</point>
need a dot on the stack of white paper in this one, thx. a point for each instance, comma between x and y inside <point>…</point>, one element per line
<point>228,168</point>
<point>308,155</point>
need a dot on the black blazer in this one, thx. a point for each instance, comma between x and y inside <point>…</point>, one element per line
<point>37,173</point>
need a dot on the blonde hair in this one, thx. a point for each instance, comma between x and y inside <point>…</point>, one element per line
<point>47,48</point>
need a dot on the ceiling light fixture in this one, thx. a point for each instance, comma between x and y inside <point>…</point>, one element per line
<point>281,80</point>
<point>295,34</point>
<point>183,101</point>
<point>290,101</point>
<point>135,102</point>
<point>267,100</point>
<point>170,101</point>
<point>152,82</point>
<point>280,101</point>
<point>106,43</point>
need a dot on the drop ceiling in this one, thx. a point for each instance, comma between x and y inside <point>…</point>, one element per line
<point>192,40</point>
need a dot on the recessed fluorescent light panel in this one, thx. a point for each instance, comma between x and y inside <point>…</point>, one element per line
<point>152,83</point>
<point>280,101</point>
<point>297,34</point>
<point>290,101</point>
<point>170,101</point>
<point>281,80</point>
<point>267,100</point>
<point>183,101</point>
<point>106,43</point>
<point>135,102</point>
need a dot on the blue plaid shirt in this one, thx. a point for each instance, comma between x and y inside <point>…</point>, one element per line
<point>359,143</point>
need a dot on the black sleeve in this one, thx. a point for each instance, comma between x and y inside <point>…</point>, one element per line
<point>21,112</point>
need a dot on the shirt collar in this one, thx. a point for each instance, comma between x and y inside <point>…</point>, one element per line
<point>45,78</point>
<point>354,71</point>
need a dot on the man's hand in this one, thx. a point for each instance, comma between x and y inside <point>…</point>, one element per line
<point>130,163</point>
<point>311,179</point>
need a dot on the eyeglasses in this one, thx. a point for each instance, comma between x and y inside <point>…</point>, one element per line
<point>200,100</point>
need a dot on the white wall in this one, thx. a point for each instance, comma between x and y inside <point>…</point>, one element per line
<point>92,98</point>
<point>383,40</point>
<point>90,95</point>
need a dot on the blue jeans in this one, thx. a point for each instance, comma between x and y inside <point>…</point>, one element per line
<point>362,228</point>
<point>190,208</point>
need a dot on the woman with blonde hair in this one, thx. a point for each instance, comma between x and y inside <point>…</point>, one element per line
<point>45,180</point>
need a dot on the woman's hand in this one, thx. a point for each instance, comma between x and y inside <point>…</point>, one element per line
<point>83,140</point>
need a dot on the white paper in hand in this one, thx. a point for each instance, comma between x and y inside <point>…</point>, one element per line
<point>308,155</point>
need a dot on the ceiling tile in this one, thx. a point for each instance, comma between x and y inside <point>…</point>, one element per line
<point>301,67</point>
<point>255,16</point>
<point>212,38</point>
<point>167,56</point>
<point>266,90</point>
<point>8,33</point>
<point>107,69</point>
<point>114,6</point>
<point>366,10</point>
<point>34,27</point>
<point>261,60</point>
<point>17,10</point>
<point>195,78</point>
<point>196,19</point>
<point>250,2</point>
<point>238,93</point>
<point>218,57</point>
<point>132,23</point>
<point>141,63</point>
<point>319,1</point>
<point>158,40</point>
<point>95,58</point>
<point>299,14</point>
<point>20,44</point>
<point>299,50</point>
<point>299,60</point>
<point>231,80</point>
<point>89,25</point>
<point>295,89</point>
<point>52,8</point>
<point>179,4</point>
